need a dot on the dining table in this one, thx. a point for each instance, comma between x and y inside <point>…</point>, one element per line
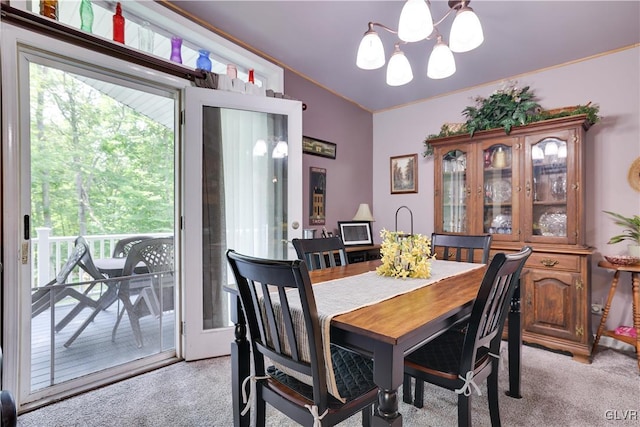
<point>386,331</point>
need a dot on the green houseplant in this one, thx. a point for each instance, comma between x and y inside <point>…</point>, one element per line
<point>631,231</point>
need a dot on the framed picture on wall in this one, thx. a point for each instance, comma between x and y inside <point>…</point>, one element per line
<point>317,195</point>
<point>404,174</point>
<point>355,232</point>
<point>318,147</point>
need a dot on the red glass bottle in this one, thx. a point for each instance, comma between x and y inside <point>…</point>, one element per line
<point>251,78</point>
<point>118,24</point>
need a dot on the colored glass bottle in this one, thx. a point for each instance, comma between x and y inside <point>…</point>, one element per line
<point>203,62</point>
<point>49,8</point>
<point>176,50</point>
<point>86,16</point>
<point>118,24</point>
<point>251,78</point>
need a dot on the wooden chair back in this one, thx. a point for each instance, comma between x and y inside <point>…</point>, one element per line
<point>461,248</point>
<point>321,253</point>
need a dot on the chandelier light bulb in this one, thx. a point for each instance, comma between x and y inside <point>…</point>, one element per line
<point>551,149</point>
<point>441,62</point>
<point>537,153</point>
<point>260,148</point>
<point>370,52</point>
<point>562,151</point>
<point>280,151</point>
<point>399,70</point>
<point>466,31</point>
<point>416,22</point>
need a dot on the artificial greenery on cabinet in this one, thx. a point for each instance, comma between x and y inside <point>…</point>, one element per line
<point>506,108</point>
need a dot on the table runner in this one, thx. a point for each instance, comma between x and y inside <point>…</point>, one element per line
<point>339,296</point>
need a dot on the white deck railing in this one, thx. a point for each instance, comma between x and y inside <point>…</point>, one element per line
<point>49,253</point>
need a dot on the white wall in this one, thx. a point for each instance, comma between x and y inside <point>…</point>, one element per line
<point>612,81</point>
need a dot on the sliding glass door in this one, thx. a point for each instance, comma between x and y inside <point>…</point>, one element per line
<point>98,157</point>
<point>243,191</point>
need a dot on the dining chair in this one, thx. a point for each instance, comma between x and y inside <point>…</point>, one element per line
<point>8,409</point>
<point>154,293</point>
<point>316,252</point>
<point>453,247</point>
<point>262,286</point>
<point>80,258</point>
<point>462,248</point>
<point>459,359</point>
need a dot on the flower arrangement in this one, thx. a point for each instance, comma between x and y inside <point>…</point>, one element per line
<point>405,255</point>
<point>507,107</point>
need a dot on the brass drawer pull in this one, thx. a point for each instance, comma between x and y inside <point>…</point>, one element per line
<point>548,262</point>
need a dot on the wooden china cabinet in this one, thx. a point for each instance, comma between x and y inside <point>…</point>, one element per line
<point>527,188</point>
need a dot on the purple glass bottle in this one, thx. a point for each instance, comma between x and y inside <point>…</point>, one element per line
<point>176,50</point>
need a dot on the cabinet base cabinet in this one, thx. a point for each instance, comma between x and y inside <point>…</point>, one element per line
<point>555,304</point>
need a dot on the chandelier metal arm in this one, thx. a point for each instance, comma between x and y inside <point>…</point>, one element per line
<point>391,30</point>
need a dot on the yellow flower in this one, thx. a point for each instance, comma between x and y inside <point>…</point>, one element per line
<point>405,255</point>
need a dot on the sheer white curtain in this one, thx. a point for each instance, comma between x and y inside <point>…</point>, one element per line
<point>254,185</point>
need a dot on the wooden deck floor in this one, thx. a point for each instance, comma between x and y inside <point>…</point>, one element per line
<point>93,350</point>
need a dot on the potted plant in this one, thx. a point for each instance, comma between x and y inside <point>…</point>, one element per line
<point>631,232</point>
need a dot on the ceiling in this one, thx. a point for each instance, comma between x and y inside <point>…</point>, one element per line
<point>319,40</point>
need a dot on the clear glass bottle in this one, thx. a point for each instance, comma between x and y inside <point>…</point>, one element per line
<point>86,16</point>
<point>49,8</point>
<point>145,37</point>
<point>203,62</point>
<point>176,49</point>
<point>118,24</point>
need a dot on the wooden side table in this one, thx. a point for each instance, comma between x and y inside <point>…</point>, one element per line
<point>635,283</point>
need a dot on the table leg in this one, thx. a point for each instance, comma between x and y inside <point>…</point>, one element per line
<point>388,373</point>
<point>635,279</point>
<point>514,344</point>
<point>605,311</point>
<point>240,364</point>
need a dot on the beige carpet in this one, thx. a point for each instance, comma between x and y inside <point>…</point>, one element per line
<point>557,392</point>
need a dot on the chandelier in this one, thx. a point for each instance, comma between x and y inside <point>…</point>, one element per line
<point>416,24</point>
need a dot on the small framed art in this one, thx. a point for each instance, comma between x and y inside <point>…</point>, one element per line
<point>355,232</point>
<point>318,147</point>
<point>404,174</point>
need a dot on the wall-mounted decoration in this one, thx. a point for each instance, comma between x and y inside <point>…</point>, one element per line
<point>634,174</point>
<point>404,174</point>
<point>317,195</point>
<point>317,147</point>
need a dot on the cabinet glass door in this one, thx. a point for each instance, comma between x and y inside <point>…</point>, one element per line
<point>454,192</point>
<point>499,167</point>
<point>547,190</point>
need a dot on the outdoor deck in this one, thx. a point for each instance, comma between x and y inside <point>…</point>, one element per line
<point>93,350</point>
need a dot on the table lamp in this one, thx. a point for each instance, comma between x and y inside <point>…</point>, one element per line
<point>363,213</point>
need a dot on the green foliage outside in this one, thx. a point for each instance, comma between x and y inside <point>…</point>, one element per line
<point>97,165</point>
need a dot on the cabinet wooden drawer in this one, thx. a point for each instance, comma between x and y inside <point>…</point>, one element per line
<point>553,261</point>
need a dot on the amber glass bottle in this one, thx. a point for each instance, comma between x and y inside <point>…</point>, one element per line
<point>49,8</point>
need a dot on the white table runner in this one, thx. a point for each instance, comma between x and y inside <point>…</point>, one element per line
<point>340,296</point>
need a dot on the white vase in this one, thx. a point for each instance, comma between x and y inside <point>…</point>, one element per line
<point>634,250</point>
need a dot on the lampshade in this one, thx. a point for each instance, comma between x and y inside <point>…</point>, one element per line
<point>370,52</point>
<point>441,62</point>
<point>260,149</point>
<point>562,151</point>
<point>550,149</point>
<point>280,151</point>
<point>466,31</point>
<point>399,70</point>
<point>363,213</point>
<point>537,153</point>
<point>416,22</point>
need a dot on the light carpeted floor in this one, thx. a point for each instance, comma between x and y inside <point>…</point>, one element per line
<point>557,392</point>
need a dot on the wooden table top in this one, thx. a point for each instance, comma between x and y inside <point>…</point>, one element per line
<point>633,268</point>
<point>404,316</point>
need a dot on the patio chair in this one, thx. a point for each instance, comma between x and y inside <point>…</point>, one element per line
<point>80,257</point>
<point>459,359</point>
<point>316,252</point>
<point>152,296</point>
<point>122,247</point>
<point>304,403</point>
